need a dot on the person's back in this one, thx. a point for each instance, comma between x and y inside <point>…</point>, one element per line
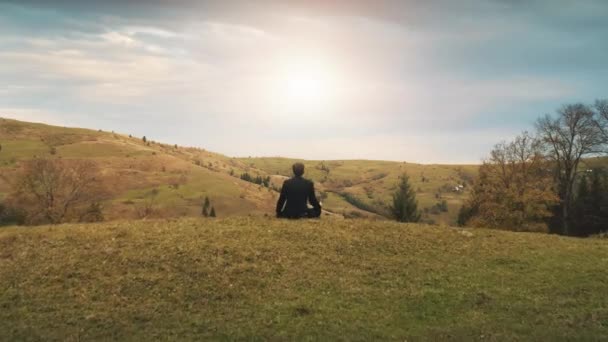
<point>295,195</point>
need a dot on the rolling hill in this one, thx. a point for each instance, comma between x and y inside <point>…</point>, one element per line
<point>370,184</point>
<point>178,178</point>
<point>133,168</point>
<point>254,278</point>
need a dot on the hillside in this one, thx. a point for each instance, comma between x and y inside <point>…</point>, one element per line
<point>184,176</point>
<point>373,183</point>
<point>260,279</point>
<point>132,169</point>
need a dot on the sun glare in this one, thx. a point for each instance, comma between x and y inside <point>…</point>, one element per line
<point>307,83</point>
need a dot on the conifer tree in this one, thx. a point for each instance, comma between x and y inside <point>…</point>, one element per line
<point>405,205</point>
<point>206,206</point>
<point>590,214</point>
<point>212,213</point>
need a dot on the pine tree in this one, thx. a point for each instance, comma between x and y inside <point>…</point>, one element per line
<point>596,192</point>
<point>405,205</point>
<point>589,208</point>
<point>206,206</point>
<point>596,215</point>
<point>144,139</point>
<point>212,213</point>
<point>246,177</point>
<point>580,206</point>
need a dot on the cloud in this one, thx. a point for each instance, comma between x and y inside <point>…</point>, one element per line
<point>415,76</point>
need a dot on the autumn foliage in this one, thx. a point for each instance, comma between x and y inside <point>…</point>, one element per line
<point>514,190</point>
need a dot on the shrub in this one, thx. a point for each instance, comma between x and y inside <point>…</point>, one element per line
<point>10,216</point>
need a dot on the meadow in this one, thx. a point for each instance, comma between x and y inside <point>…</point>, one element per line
<point>181,177</point>
<point>254,278</point>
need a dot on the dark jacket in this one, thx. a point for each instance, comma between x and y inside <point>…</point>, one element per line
<point>295,195</point>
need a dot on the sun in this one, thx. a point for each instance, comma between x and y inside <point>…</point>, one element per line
<point>307,83</point>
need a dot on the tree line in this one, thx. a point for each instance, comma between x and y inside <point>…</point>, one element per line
<point>543,181</point>
<point>259,180</point>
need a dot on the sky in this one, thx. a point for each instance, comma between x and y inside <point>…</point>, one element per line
<point>417,81</point>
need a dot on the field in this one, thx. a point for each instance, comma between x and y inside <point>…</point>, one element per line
<point>258,279</point>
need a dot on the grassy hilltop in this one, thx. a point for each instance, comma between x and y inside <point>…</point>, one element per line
<point>258,279</point>
<point>184,176</point>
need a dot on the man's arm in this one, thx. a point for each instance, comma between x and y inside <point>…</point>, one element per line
<point>282,199</point>
<point>313,199</point>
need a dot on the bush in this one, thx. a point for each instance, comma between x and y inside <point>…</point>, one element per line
<point>466,213</point>
<point>94,213</point>
<point>10,216</point>
<point>442,206</point>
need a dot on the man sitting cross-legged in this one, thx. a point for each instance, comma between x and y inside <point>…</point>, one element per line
<point>295,195</point>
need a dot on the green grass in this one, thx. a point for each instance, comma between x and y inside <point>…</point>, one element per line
<point>260,279</point>
<point>18,149</point>
<point>99,150</point>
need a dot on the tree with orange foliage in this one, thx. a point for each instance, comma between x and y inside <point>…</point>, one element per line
<point>514,189</point>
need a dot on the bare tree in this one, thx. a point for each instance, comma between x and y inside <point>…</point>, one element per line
<point>569,137</point>
<point>55,190</point>
<point>601,106</point>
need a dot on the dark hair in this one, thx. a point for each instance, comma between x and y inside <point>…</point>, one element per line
<point>298,169</point>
